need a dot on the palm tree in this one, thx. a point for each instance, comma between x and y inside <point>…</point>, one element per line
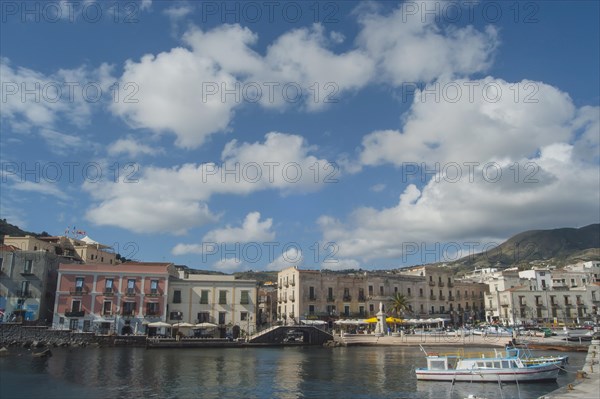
<point>399,304</point>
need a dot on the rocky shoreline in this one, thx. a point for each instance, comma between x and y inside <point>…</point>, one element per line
<point>17,335</point>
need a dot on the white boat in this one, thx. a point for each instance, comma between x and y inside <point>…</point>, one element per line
<point>484,367</point>
<point>529,358</point>
<point>493,331</point>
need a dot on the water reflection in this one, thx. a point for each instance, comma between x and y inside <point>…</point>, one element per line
<point>357,372</point>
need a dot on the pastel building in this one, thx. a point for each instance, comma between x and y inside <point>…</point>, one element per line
<point>107,298</point>
<point>222,300</point>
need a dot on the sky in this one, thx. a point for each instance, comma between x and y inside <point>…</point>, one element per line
<point>237,136</point>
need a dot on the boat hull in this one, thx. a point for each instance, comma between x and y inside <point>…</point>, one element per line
<point>482,375</point>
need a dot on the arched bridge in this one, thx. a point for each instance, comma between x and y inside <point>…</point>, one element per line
<point>306,335</point>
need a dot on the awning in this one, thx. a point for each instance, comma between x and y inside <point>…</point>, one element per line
<point>102,321</point>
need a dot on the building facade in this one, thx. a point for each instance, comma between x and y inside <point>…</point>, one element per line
<point>222,300</point>
<point>107,298</point>
<point>431,292</point>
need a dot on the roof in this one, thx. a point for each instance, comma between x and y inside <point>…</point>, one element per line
<point>11,248</point>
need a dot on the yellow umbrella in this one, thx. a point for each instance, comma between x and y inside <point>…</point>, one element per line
<point>393,320</point>
<point>371,320</point>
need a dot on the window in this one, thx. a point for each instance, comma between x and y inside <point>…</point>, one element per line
<point>361,310</point>
<point>395,290</point>
<point>131,286</point>
<point>204,297</point>
<point>432,309</point>
<point>361,294</point>
<point>370,290</point>
<point>75,306</point>
<point>152,309</point>
<point>371,308</point>
<point>177,296</point>
<point>347,294</point>
<point>330,293</point>
<point>222,316</point>
<point>381,290</point>
<point>154,286</point>
<point>311,309</point>
<point>245,299</point>
<point>203,317</point>
<point>79,284</point>
<point>108,286</point>
<point>128,308</point>
<point>346,310</point>
<point>28,267</point>
<point>176,315</point>
<point>107,308</point>
<point>311,293</point>
<point>408,291</point>
<point>222,297</point>
<point>87,324</point>
<point>243,316</point>
<point>74,324</point>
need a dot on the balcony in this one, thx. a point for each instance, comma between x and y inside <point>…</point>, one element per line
<point>441,283</point>
<point>361,298</point>
<point>432,283</point>
<point>130,293</point>
<point>79,291</point>
<point>312,298</point>
<point>292,298</point>
<point>287,284</point>
<point>451,298</point>
<point>153,294</point>
<point>432,297</point>
<point>152,313</point>
<point>293,283</point>
<point>330,299</point>
<point>79,313</point>
<point>450,284</point>
<point>347,298</point>
<point>109,313</point>
<point>24,294</point>
<point>27,273</point>
<point>108,292</point>
<point>442,298</point>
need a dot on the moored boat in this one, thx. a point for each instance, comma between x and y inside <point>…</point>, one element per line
<point>485,367</point>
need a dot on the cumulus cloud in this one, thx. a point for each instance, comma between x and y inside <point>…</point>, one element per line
<point>291,257</point>
<point>282,162</point>
<point>478,168</point>
<point>228,264</point>
<point>131,147</point>
<point>201,85</point>
<point>251,230</point>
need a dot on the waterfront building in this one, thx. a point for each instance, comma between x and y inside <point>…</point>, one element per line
<point>223,300</point>
<point>110,298</point>
<point>432,292</point>
<point>28,272</point>
<point>267,305</point>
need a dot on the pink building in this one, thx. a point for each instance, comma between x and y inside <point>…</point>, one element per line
<point>106,298</point>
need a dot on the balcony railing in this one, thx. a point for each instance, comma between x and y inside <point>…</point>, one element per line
<point>79,313</point>
<point>108,293</point>
<point>442,298</point>
<point>361,298</point>
<point>347,298</point>
<point>432,297</point>
<point>152,313</point>
<point>441,283</point>
<point>451,298</point>
<point>79,291</point>
<point>450,284</point>
<point>26,273</point>
<point>330,299</point>
<point>312,298</point>
<point>432,283</point>
<point>130,293</point>
<point>153,293</point>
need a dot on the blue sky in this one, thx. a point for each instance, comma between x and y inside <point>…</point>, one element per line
<point>326,135</point>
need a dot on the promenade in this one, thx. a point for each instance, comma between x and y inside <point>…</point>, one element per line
<point>587,384</point>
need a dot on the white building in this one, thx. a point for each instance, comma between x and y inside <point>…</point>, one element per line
<point>223,300</point>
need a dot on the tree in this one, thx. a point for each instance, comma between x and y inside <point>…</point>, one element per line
<point>399,304</point>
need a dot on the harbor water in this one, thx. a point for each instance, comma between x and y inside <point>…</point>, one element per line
<point>290,372</point>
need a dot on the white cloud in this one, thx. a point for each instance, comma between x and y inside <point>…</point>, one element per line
<point>252,230</point>
<point>145,4</point>
<point>61,143</point>
<point>42,187</point>
<point>34,99</point>
<point>539,148</point>
<point>282,162</point>
<point>379,187</point>
<point>131,147</point>
<point>228,264</point>
<point>292,257</point>
<point>408,49</point>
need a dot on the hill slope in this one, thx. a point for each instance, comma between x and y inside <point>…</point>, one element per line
<point>559,246</point>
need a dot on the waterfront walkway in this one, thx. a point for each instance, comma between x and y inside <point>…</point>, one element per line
<point>587,384</point>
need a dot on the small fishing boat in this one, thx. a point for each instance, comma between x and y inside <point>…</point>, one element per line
<point>505,366</point>
<point>529,358</point>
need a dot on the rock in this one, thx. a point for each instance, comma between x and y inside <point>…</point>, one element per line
<point>3,352</point>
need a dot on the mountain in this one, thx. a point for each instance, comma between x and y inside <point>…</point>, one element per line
<point>556,247</point>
